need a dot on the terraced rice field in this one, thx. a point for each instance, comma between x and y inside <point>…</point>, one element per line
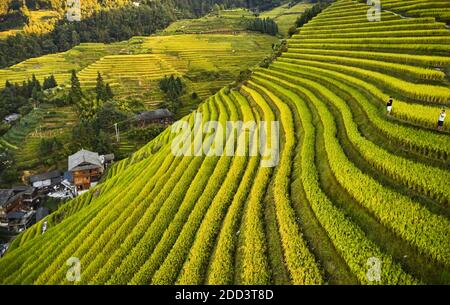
<point>286,16</point>
<point>352,185</point>
<point>56,123</point>
<point>439,9</point>
<point>5,34</point>
<point>59,64</point>
<point>227,21</point>
<point>135,67</point>
<point>43,122</point>
<point>123,69</point>
<point>15,137</point>
<point>40,21</point>
<point>194,56</point>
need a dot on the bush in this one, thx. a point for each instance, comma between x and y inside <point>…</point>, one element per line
<point>145,134</point>
<point>277,51</point>
<point>264,25</point>
<point>51,150</point>
<point>24,110</point>
<point>311,13</point>
<point>292,31</point>
<point>4,127</point>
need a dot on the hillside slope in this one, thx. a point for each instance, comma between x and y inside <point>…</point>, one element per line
<point>352,186</point>
<point>134,68</point>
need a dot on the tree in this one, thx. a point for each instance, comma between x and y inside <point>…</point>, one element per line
<point>75,38</point>
<point>8,169</point>
<point>310,13</point>
<point>265,25</point>
<point>50,82</point>
<point>35,94</point>
<point>46,84</point>
<point>53,81</point>
<point>50,150</point>
<point>109,93</point>
<point>100,88</point>
<point>75,93</point>
<point>173,87</point>
<point>216,9</point>
<point>63,40</point>
<point>16,5</point>
<point>35,83</point>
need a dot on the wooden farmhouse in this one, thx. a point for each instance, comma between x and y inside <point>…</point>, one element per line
<point>46,180</point>
<point>159,116</point>
<point>86,167</point>
<point>16,207</point>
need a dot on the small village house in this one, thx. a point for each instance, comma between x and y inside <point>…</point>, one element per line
<point>46,180</point>
<point>159,116</point>
<point>12,118</point>
<point>86,167</point>
<point>20,220</point>
<point>7,203</point>
<point>16,207</point>
<point>29,195</point>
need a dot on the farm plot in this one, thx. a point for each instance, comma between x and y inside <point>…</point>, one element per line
<point>59,64</point>
<point>286,15</point>
<point>56,123</point>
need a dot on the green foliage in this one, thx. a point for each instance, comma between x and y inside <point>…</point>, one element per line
<point>49,82</point>
<point>20,97</point>
<point>300,261</point>
<point>75,93</point>
<point>4,127</point>
<point>216,9</point>
<point>145,134</point>
<point>100,89</point>
<point>112,22</point>
<point>108,92</point>
<point>243,77</point>
<point>173,87</point>
<point>86,136</point>
<point>277,50</point>
<point>94,130</point>
<point>51,150</point>
<point>13,19</point>
<point>263,25</point>
<point>8,170</point>
<point>312,12</point>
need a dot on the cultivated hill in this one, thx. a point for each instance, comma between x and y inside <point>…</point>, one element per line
<point>133,68</point>
<point>354,188</point>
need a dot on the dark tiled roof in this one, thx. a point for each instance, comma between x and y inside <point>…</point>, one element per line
<point>109,157</point>
<point>46,176</point>
<point>154,115</point>
<point>41,213</point>
<point>5,195</point>
<point>25,189</point>
<point>16,215</point>
<point>84,157</point>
